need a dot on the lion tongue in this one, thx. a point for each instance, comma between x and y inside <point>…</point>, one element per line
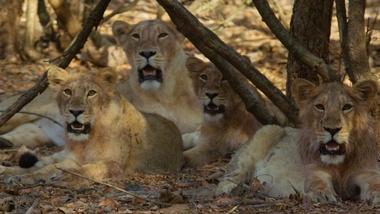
<point>149,72</point>
<point>332,146</point>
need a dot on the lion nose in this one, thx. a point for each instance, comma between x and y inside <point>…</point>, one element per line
<point>76,113</point>
<point>211,95</point>
<point>332,131</point>
<point>147,54</point>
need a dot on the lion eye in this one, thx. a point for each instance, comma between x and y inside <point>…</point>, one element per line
<point>91,93</point>
<point>347,107</point>
<point>136,36</point>
<point>203,77</point>
<point>67,92</point>
<point>319,107</point>
<point>162,35</point>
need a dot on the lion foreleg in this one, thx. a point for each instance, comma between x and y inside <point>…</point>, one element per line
<point>28,134</point>
<point>369,184</point>
<point>319,186</point>
<point>201,155</point>
<point>190,139</point>
<point>242,164</point>
<point>102,169</point>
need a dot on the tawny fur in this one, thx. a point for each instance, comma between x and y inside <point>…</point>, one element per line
<point>323,177</point>
<point>121,139</point>
<point>174,98</point>
<point>219,134</point>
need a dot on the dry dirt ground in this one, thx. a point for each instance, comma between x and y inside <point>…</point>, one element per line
<point>190,191</point>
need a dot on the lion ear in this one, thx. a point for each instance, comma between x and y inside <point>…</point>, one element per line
<point>56,76</point>
<point>173,28</point>
<point>108,76</point>
<point>194,65</point>
<point>302,90</point>
<point>120,30</point>
<point>366,89</point>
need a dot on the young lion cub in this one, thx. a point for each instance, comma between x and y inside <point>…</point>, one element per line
<point>227,124</point>
<point>105,134</point>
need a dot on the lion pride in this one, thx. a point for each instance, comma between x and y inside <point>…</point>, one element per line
<point>333,155</point>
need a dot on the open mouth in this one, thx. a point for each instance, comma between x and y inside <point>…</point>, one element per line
<point>332,148</point>
<point>78,128</point>
<point>214,109</point>
<point>150,73</point>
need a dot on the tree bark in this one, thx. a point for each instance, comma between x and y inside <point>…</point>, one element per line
<point>310,25</point>
<point>92,21</point>
<point>31,32</point>
<point>9,42</point>
<point>219,53</point>
<point>356,39</point>
<point>343,35</point>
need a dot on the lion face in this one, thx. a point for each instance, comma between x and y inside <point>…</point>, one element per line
<point>333,112</point>
<point>151,47</point>
<point>80,97</point>
<point>215,94</point>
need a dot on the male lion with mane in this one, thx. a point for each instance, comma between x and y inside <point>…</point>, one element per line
<point>105,134</point>
<point>332,154</point>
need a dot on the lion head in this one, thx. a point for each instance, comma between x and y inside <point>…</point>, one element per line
<point>152,49</point>
<point>215,94</point>
<point>81,96</point>
<point>335,119</point>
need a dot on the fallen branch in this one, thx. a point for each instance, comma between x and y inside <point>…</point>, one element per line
<point>227,59</point>
<point>114,187</point>
<point>291,44</point>
<point>92,21</point>
<point>342,24</point>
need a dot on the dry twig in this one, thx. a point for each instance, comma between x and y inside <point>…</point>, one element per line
<point>92,21</point>
<point>114,187</point>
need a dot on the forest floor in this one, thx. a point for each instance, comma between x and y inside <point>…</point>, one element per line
<point>191,190</point>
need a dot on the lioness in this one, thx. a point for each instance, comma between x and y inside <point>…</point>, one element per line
<point>332,154</point>
<point>227,124</point>
<point>159,81</point>
<point>105,134</point>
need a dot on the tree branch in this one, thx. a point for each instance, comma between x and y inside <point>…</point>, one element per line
<point>291,44</point>
<point>218,53</point>
<point>342,24</point>
<point>92,21</point>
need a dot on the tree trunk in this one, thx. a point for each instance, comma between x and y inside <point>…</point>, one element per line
<point>356,38</point>
<point>9,43</point>
<point>310,25</point>
<point>31,32</point>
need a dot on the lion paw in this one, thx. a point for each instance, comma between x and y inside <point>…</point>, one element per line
<point>373,197</point>
<point>225,187</point>
<point>322,196</point>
